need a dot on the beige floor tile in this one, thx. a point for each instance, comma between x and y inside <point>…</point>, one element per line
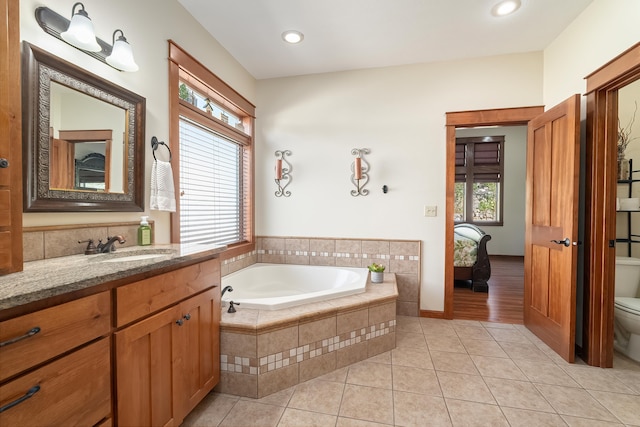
<point>575,402</point>
<point>545,373</point>
<point>351,422</point>
<point>370,374</point>
<point>416,410</point>
<point>527,351</point>
<point>629,378</point>
<point>251,413</point>
<point>498,368</point>
<point>416,380</point>
<point>586,422</point>
<point>472,332</point>
<point>620,361</point>
<point>434,327</point>
<point>462,322</point>
<point>211,411</point>
<point>411,357</point>
<point>496,325</point>
<point>483,348</point>
<point>367,403</point>
<point>508,335</point>
<point>280,398</point>
<point>453,362</point>
<point>464,387</point>
<point>473,414</point>
<point>517,394</point>
<point>624,406</point>
<point>412,340</point>
<point>339,375</point>
<point>318,396</point>
<point>526,418</point>
<point>381,358</point>
<point>593,378</point>
<point>296,418</point>
<point>408,324</point>
<point>445,343</point>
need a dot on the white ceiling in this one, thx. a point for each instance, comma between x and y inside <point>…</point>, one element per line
<point>354,34</point>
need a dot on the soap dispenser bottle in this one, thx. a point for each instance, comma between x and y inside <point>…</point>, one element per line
<point>144,232</point>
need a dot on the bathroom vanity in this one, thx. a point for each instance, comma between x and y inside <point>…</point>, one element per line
<point>129,338</point>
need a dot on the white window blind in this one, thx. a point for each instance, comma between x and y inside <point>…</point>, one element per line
<point>211,186</point>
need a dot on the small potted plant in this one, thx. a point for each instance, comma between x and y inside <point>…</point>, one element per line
<point>377,273</point>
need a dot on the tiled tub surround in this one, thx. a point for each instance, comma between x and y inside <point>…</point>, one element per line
<point>263,351</point>
<point>402,257</point>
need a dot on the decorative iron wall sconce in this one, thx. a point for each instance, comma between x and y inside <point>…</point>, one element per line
<point>360,171</point>
<point>79,33</point>
<point>283,173</point>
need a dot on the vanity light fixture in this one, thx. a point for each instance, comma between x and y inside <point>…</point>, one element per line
<point>283,173</point>
<point>506,7</point>
<point>292,36</point>
<point>121,55</point>
<point>80,32</point>
<point>61,28</point>
<point>360,172</point>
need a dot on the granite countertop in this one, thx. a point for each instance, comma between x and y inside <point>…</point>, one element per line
<point>56,276</point>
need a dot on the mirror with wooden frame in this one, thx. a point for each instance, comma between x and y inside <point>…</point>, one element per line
<point>83,139</point>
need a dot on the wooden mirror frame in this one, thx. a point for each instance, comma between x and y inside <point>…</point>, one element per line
<point>39,68</point>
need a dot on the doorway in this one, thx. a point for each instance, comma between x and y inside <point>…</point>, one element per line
<point>490,193</point>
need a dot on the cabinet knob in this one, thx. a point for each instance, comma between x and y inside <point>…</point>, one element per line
<point>179,322</point>
<point>4,163</point>
<point>187,316</point>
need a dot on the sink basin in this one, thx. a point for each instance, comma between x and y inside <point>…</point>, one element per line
<point>133,258</point>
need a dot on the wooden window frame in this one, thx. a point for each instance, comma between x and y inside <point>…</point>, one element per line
<point>469,170</point>
<point>183,66</point>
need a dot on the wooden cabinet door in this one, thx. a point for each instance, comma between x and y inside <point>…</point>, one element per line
<point>200,348</point>
<point>146,357</point>
<point>10,140</point>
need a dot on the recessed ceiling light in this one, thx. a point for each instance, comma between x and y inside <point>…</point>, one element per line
<point>292,36</point>
<point>505,8</point>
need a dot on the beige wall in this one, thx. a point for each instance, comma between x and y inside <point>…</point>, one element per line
<point>147,26</point>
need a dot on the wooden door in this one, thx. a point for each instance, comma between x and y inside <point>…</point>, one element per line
<point>201,344</point>
<point>10,140</point>
<point>553,153</point>
<point>146,356</point>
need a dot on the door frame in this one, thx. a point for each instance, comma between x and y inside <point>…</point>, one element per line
<point>601,174</point>
<point>495,117</point>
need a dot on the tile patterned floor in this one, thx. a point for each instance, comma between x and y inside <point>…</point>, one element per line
<point>447,373</point>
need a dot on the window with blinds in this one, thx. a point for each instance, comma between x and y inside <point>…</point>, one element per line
<point>479,177</point>
<point>211,183</point>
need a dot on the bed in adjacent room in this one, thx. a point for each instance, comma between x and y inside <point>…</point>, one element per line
<point>470,257</point>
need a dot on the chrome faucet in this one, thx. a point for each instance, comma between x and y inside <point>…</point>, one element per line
<point>225,289</point>
<point>109,246</point>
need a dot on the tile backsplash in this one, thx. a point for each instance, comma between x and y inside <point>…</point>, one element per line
<point>62,240</point>
<point>401,257</point>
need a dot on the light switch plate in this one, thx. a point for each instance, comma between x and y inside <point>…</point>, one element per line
<point>430,211</point>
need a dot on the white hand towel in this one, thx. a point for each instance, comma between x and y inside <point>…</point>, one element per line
<point>163,197</point>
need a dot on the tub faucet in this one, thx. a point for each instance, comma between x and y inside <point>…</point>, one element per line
<point>109,246</point>
<point>225,289</point>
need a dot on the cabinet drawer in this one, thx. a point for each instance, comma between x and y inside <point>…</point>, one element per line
<point>74,390</point>
<point>60,328</point>
<point>147,296</point>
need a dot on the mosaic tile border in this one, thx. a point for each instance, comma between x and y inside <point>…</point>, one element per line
<point>272,362</point>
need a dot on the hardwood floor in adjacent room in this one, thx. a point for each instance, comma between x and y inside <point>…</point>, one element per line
<point>503,303</point>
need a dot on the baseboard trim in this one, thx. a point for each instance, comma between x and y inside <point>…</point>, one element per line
<point>432,314</point>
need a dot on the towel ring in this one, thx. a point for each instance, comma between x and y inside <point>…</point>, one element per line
<point>154,145</point>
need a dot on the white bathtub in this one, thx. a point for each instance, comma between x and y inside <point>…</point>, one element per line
<point>276,286</point>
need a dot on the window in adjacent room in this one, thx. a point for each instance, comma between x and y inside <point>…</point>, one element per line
<point>479,180</point>
<point>212,134</point>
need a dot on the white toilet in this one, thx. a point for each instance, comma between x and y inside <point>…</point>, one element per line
<point>627,307</point>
